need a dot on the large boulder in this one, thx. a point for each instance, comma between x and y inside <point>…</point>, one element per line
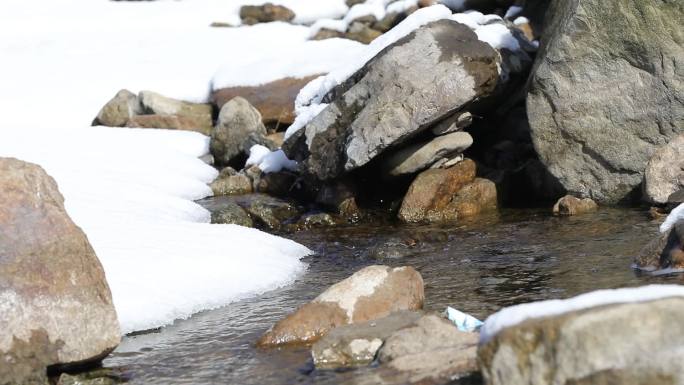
<point>407,88</point>
<point>56,306</point>
<point>274,100</point>
<point>239,127</point>
<point>370,293</point>
<point>606,92</point>
<point>629,343</point>
<point>664,174</point>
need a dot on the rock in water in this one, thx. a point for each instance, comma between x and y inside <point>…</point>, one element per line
<point>370,293</point>
<point>433,72</point>
<point>239,127</point>
<point>665,172</point>
<point>56,305</point>
<point>570,205</point>
<point>634,343</point>
<point>607,91</point>
<point>123,106</point>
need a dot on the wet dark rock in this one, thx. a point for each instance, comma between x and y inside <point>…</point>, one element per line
<point>269,211</point>
<point>357,345</point>
<point>318,220</point>
<point>103,376</point>
<point>596,132</point>
<point>580,347</point>
<point>570,205</point>
<point>369,114</point>
<point>665,251</point>
<point>396,249</point>
<point>253,14</point>
<point>664,174</point>
<point>279,184</point>
<point>57,307</point>
<point>370,293</point>
<point>238,128</point>
<point>233,214</point>
<point>116,113</point>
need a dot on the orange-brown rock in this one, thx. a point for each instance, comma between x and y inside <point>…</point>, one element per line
<point>370,293</point>
<point>274,100</point>
<point>570,205</point>
<point>171,122</point>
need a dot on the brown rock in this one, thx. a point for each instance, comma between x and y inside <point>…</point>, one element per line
<point>274,100</point>
<point>118,110</point>
<point>570,205</point>
<point>56,305</point>
<point>362,33</point>
<point>527,31</point>
<point>253,14</point>
<point>370,293</point>
<point>237,184</point>
<point>157,104</point>
<point>473,199</point>
<point>433,190</point>
<point>325,33</point>
<point>172,122</point>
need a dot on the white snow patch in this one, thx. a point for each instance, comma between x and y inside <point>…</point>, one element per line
<point>305,114</point>
<point>331,24</point>
<point>675,216</point>
<point>257,153</point>
<point>498,36</point>
<point>513,11</point>
<point>514,315</point>
<point>521,20</point>
<point>276,161</point>
<point>401,6</point>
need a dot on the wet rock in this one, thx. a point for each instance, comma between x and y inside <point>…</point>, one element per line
<point>340,196</point>
<point>171,122</point>
<point>279,184</point>
<point>664,174</point>
<point>253,14</point>
<point>231,183</point>
<point>570,205</point>
<point>116,113</point>
<point>362,32</point>
<point>274,100</point>
<point>420,156</point>
<point>239,127</point>
<point>613,344</point>
<point>57,307</point>
<point>318,220</point>
<point>665,251</point>
<point>431,192</point>
<point>230,213</point>
<point>474,198</point>
<point>269,211</point>
<point>156,104</point>
<point>596,132</point>
<point>390,249</point>
<point>357,345</point>
<point>103,376</point>
<point>370,293</point>
<point>369,114</point>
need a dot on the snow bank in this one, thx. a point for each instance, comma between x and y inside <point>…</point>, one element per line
<point>514,315</point>
<point>498,36</point>
<point>675,216</point>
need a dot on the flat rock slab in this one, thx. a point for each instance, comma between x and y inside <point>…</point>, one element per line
<point>420,156</point>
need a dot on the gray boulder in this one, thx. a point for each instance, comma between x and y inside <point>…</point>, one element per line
<point>239,127</point>
<point>664,174</point>
<point>633,344</point>
<point>606,92</point>
<point>410,86</point>
<point>420,156</point>
<point>56,305</point>
<point>116,113</point>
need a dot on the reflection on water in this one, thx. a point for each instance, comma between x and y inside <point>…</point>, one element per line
<point>478,267</point>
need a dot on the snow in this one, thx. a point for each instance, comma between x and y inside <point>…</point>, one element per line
<point>520,20</point>
<point>277,161</point>
<point>513,11</point>
<point>305,114</point>
<point>498,36</point>
<point>675,216</point>
<point>132,190</point>
<point>401,6</point>
<point>514,315</point>
<point>257,153</point>
<point>331,24</point>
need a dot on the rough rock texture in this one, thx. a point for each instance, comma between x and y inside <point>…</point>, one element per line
<point>664,174</point>
<point>239,127</point>
<point>570,205</point>
<point>411,85</point>
<point>420,156</point>
<point>665,251</point>
<point>55,305</point>
<point>117,111</point>
<point>227,184</point>
<point>253,14</point>
<point>431,193</point>
<point>606,92</point>
<point>370,293</point>
<point>268,211</point>
<point>636,344</point>
<point>231,214</point>
<point>356,345</point>
<point>171,122</point>
<point>156,104</point>
<point>274,100</point>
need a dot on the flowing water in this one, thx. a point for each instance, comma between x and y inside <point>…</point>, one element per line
<point>508,258</point>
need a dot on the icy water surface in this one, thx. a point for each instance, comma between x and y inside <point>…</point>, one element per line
<point>505,259</point>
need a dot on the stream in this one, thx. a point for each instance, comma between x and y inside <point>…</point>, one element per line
<point>480,266</point>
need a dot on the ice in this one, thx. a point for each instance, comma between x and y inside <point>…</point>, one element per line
<point>514,315</point>
<point>675,216</point>
<point>132,190</point>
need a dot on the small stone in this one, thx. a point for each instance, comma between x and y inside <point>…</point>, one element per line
<point>231,213</point>
<point>362,33</point>
<point>318,220</point>
<point>570,205</point>
<point>253,14</point>
<point>325,33</point>
<point>171,122</point>
<point>238,184</point>
<point>269,211</point>
<point>116,113</point>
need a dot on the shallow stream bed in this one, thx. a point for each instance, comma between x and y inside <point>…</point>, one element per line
<point>512,257</point>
